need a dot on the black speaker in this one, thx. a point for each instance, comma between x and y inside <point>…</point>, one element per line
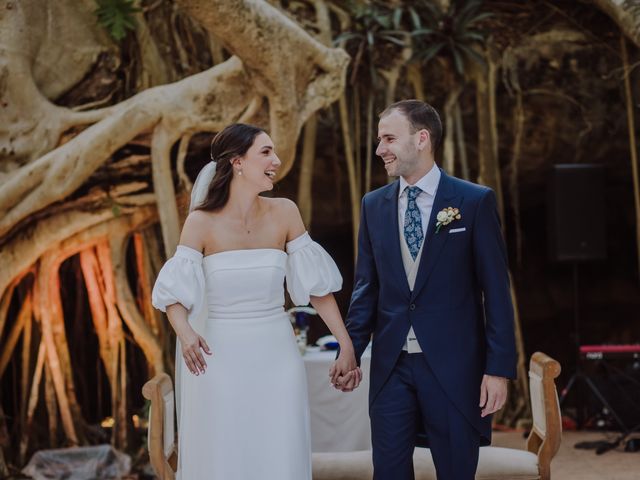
<point>576,213</point>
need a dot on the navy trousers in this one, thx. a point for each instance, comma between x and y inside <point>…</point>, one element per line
<point>412,395</point>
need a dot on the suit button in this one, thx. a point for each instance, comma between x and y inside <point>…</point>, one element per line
<point>412,306</point>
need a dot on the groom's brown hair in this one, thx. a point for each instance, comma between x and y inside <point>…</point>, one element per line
<point>420,115</point>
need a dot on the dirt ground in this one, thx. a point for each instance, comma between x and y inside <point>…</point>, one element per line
<point>576,464</point>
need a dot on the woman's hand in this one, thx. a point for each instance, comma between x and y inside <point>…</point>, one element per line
<point>191,344</point>
<point>344,372</point>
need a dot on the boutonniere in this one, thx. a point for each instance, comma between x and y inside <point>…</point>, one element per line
<point>446,216</point>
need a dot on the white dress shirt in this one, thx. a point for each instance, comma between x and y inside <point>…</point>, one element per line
<point>429,186</point>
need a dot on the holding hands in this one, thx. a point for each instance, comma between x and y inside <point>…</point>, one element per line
<point>344,372</point>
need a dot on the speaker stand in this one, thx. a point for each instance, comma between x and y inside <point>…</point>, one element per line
<point>579,378</point>
<point>631,444</point>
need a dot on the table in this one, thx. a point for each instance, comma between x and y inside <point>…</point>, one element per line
<point>339,421</point>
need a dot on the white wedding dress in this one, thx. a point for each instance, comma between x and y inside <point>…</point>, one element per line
<point>247,416</point>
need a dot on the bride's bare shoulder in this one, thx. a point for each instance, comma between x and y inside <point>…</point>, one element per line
<point>195,228</point>
<point>288,214</point>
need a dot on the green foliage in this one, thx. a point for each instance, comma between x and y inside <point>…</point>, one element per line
<point>374,28</point>
<point>378,32</point>
<point>115,209</point>
<point>116,16</point>
<point>453,33</point>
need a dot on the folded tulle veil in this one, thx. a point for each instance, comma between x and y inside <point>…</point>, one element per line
<point>197,319</point>
<point>201,185</point>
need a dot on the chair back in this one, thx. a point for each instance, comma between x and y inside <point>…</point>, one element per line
<point>161,438</point>
<point>546,432</point>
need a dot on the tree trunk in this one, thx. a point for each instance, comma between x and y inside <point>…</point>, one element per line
<point>490,175</point>
<point>449,138</point>
<point>25,365</point>
<point>145,280</point>
<point>632,143</point>
<point>311,80</point>
<point>369,140</point>
<point>305,181</point>
<point>33,402</point>
<point>5,301</point>
<point>127,306</point>
<point>53,332</point>
<point>14,335</point>
<point>319,70</point>
<point>489,166</point>
<point>108,327</point>
<point>518,122</point>
<point>52,405</point>
<point>414,75</point>
<point>354,194</point>
<point>460,141</point>
<point>357,138</point>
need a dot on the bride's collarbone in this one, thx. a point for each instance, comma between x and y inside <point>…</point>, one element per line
<point>235,236</point>
<point>229,232</point>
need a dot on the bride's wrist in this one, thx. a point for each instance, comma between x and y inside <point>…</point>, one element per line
<point>346,347</point>
<point>183,332</point>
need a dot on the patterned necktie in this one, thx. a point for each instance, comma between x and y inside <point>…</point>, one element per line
<point>413,222</point>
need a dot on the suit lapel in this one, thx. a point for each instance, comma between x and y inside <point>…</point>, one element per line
<point>391,237</point>
<point>445,197</point>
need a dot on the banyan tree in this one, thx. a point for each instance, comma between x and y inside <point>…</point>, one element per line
<point>85,186</point>
<point>106,113</point>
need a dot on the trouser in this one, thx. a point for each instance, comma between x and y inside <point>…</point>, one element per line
<point>412,394</point>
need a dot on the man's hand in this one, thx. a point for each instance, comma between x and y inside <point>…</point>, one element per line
<point>344,372</point>
<point>350,381</point>
<point>346,382</point>
<point>493,394</point>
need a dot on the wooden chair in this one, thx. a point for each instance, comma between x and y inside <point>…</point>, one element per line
<point>545,436</point>
<point>161,438</point>
<point>495,462</point>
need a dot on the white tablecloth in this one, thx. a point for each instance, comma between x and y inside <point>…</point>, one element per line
<point>339,421</point>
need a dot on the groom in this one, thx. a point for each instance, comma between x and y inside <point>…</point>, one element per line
<point>432,287</point>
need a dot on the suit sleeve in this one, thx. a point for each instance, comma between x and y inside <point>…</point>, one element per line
<point>364,299</point>
<point>492,271</point>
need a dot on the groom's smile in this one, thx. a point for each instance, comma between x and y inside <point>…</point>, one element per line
<point>388,160</point>
<point>405,150</point>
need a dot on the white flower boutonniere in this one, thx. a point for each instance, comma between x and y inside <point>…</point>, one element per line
<point>446,216</point>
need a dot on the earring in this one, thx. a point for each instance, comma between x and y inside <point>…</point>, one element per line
<point>239,172</point>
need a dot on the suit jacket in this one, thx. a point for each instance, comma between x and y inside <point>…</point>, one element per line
<point>460,307</point>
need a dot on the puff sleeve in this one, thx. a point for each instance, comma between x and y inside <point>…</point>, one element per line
<point>181,280</point>
<point>310,270</point>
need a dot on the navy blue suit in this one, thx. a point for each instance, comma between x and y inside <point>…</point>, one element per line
<point>462,315</point>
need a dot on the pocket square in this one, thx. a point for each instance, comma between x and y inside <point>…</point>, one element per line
<point>457,230</point>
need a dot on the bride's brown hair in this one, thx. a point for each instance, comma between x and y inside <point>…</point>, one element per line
<point>232,142</point>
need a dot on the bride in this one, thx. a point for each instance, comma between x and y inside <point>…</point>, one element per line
<point>241,388</point>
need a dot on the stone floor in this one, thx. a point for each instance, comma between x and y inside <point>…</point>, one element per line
<point>576,464</point>
<point>571,463</point>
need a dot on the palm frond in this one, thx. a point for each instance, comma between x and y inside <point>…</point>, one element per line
<point>429,53</point>
<point>458,62</point>
<point>346,37</point>
<point>423,32</point>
